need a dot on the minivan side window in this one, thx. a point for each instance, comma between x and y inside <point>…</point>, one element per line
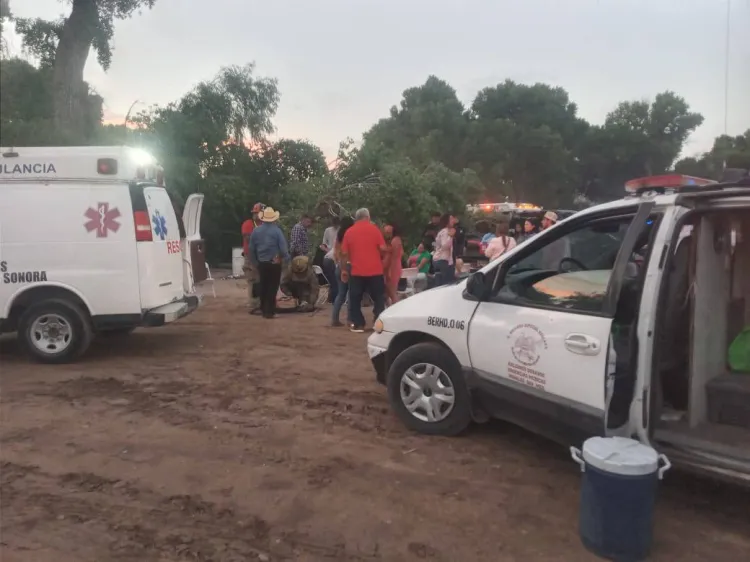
<point>569,272</point>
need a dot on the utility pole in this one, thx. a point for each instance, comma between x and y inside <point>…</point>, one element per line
<point>726,67</point>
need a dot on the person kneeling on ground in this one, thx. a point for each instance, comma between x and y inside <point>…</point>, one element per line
<point>299,281</point>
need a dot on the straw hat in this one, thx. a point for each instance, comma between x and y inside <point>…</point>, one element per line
<point>268,215</point>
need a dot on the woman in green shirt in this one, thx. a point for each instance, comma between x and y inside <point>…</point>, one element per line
<point>420,258</point>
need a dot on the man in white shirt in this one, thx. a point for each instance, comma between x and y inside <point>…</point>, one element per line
<point>328,265</point>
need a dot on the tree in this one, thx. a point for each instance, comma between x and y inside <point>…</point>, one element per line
<point>522,142</point>
<point>657,131</point>
<point>429,125</point>
<point>727,151</point>
<point>89,24</point>
<point>27,109</point>
<point>637,139</point>
<point>5,13</point>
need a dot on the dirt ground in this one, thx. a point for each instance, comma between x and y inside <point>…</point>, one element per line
<point>229,438</point>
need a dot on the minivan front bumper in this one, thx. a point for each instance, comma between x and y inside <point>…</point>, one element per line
<point>172,311</point>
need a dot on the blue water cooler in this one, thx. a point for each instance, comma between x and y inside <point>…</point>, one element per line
<point>618,493</point>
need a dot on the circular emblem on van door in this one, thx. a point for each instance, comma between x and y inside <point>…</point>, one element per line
<point>527,342</point>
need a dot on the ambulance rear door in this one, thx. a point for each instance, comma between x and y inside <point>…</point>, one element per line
<point>193,246</point>
<point>159,248</point>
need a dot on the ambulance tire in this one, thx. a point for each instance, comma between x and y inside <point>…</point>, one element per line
<point>77,320</point>
<point>438,355</point>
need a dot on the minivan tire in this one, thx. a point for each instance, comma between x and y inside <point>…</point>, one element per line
<point>435,354</point>
<point>71,315</point>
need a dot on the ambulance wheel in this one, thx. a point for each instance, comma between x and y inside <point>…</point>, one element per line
<point>427,391</point>
<point>55,330</point>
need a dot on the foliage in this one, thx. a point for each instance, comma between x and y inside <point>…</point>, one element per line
<point>26,109</point>
<point>64,46</point>
<point>431,153</point>
<point>637,139</point>
<point>41,37</point>
<point>5,13</point>
<point>732,152</point>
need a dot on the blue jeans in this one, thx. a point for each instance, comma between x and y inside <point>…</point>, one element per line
<point>445,272</point>
<point>341,294</point>
<point>329,270</point>
<point>358,286</point>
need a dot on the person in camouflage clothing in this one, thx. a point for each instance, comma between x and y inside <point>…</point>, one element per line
<point>299,281</point>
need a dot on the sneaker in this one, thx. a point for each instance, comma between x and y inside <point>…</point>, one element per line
<point>356,329</point>
<point>336,324</point>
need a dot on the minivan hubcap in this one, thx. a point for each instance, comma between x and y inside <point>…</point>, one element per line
<point>427,392</point>
<point>51,333</point>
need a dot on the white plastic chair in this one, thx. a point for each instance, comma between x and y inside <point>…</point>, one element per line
<point>323,294</point>
<point>410,274</point>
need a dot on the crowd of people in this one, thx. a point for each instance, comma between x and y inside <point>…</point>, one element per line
<point>357,258</point>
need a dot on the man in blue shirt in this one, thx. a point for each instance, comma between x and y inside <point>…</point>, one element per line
<point>268,250</point>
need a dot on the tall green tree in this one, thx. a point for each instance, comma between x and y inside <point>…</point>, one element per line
<point>27,109</point>
<point>428,125</point>
<point>637,139</point>
<point>727,151</point>
<point>523,140</point>
<point>90,23</point>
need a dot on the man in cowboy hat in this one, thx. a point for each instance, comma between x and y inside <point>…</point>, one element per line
<point>250,274</point>
<point>299,281</point>
<point>268,251</point>
<point>549,219</point>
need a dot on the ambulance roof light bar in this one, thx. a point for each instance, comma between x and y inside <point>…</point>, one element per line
<point>664,182</point>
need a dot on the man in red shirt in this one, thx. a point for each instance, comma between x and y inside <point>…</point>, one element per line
<point>363,248</point>
<point>250,274</point>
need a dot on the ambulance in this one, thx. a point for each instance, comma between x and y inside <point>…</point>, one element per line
<point>90,243</point>
<point>631,318</point>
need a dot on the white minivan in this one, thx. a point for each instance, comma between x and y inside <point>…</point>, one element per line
<point>90,243</point>
<point>616,321</point>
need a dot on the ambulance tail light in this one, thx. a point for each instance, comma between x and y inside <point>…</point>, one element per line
<point>142,227</point>
<point>665,181</point>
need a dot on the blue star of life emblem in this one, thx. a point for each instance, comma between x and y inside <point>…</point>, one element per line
<point>160,225</point>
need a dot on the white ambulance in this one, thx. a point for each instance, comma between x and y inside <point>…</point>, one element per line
<point>90,243</point>
<point>619,320</point>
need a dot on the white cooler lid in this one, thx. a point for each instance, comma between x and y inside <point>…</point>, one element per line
<point>619,455</point>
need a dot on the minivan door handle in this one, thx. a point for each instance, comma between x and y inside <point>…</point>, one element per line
<point>582,344</point>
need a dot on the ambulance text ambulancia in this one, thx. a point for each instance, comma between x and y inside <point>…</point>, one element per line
<point>597,326</point>
<point>90,244</point>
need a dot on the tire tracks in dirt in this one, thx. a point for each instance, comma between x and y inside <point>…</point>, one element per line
<point>135,519</point>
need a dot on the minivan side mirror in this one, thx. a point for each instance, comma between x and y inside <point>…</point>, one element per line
<point>476,287</point>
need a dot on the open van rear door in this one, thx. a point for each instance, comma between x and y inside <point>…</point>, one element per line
<point>193,246</point>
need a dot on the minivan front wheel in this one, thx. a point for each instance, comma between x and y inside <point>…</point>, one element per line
<point>427,391</point>
<point>54,330</point>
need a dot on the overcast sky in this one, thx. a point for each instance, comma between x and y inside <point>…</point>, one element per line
<point>341,64</point>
